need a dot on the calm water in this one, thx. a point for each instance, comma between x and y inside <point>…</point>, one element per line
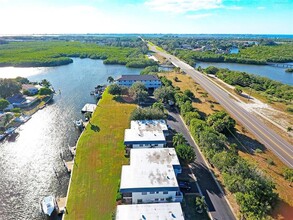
<point>275,73</point>
<point>27,165</point>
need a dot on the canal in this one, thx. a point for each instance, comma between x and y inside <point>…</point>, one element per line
<point>31,167</point>
<point>274,73</point>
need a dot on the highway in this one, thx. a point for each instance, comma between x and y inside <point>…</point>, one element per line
<point>263,134</point>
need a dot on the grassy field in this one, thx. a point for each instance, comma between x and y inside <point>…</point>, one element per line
<point>284,208</point>
<point>100,155</point>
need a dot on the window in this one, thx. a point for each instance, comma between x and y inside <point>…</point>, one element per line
<point>139,201</point>
<point>165,192</point>
<point>144,193</point>
<point>157,192</point>
<point>141,145</point>
<point>162,199</point>
<point>152,192</point>
<point>156,200</point>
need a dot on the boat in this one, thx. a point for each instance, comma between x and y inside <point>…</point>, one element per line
<point>10,130</point>
<point>49,205</point>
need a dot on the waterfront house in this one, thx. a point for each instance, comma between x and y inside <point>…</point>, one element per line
<point>149,178</point>
<point>21,101</point>
<point>146,134</point>
<point>150,211</point>
<point>150,81</point>
<point>30,88</point>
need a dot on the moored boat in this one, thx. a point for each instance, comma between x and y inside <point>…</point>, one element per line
<point>49,205</point>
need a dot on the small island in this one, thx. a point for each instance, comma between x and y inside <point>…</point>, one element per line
<point>289,70</point>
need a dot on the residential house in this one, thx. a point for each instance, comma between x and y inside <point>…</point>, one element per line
<point>32,89</point>
<point>166,211</point>
<point>146,134</point>
<point>150,177</point>
<point>150,81</point>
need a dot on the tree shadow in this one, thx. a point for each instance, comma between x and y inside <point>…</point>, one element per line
<point>123,99</point>
<point>95,128</point>
<point>246,144</point>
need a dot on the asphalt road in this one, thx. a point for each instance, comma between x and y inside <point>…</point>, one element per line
<point>216,202</point>
<point>264,134</point>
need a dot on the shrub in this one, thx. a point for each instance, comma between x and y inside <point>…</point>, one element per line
<point>147,114</point>
<point>45,91</point>
<point>185,153</point>
<point>115,89</point>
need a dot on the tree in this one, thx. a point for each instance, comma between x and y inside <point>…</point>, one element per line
<point>221,122</point>
<point>186,107</point>
<point>185,153</point>
<point>288,175</point>
<point>22,80</point>
<point>189,116</point>
<point>189,94</point>
<point>147,114</point>
<point>3,104</point>
<point>238,90</point>
<point>150,70</point>
<point>115,89</point>
<point>211,70</point>
<point>138,91</point>
<point>110,79</point>
<point>9,87</point>
<point>164,93</point>
<point>158,105</point>
<point>45,91</point>
<point>45,83</point>
<point>177,69</point>
<point>178,139</point>
<point>200,204</point>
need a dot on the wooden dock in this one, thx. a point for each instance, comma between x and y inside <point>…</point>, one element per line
<point>69,165</point>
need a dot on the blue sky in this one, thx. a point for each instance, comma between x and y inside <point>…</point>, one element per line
<point>146,16</point>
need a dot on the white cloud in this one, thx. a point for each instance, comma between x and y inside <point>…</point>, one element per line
<point>182,6</point>
<point>198,16</point>
<point>234,7</point>
<point>74,19</point>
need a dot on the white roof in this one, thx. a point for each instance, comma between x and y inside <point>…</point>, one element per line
<point>150,169</point>
<point>155,211</point>
<point>153,156</point>
<point>133,135</point>
<point>149,125</point>
<point>146,131</point>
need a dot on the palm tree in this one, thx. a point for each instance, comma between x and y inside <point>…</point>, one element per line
<point>110,79</point>
<point>178,139</point>
<point>200,204</point>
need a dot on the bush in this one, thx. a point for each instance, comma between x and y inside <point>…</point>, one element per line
<point>3,104</point>
<point>115,89</point>
<point>16,110</point>
<point>147,114</point>
<point>185,153</point>
<point>45,91</point>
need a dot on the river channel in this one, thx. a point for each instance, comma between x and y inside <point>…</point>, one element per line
<point>271,72</point>
<point>31,166</point>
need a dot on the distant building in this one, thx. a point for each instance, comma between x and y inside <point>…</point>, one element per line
<point>150,81</point>
<point>164,211</point>
<point>146,134</point>
<point>150,177</point>
<point>32,89</point>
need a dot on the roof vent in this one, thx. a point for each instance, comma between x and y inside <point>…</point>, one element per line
<point>172,215</point>
<point>143,217</point>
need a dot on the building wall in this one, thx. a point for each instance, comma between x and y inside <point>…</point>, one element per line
<point>147,197</point>
<point>148,145</point>
<point>148,83</point>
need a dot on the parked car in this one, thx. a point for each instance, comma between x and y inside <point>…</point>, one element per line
<point>185,186</point>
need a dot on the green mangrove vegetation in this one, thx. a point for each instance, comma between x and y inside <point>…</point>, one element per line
<point>55,53</point>
<point>274,90</point>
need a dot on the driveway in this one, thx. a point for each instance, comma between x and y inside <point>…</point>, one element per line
<point>216,202</point>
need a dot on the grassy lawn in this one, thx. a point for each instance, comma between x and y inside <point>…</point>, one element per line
<point>100,155</point>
